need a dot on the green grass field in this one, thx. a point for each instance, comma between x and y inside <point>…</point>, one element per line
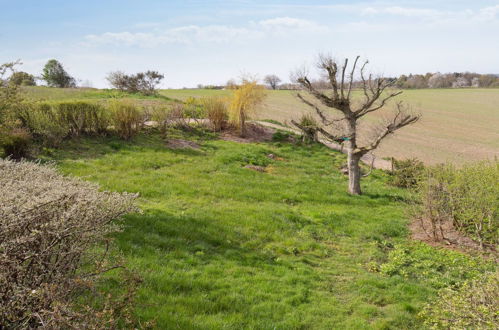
<point>457,125</point>
<point>220,246</point>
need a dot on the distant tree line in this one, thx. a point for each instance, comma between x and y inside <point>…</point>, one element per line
<point>447,80</point>
<point>411,81</point>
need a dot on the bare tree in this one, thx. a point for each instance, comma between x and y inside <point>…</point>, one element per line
<point>272,80</point>
<point>375,95</point>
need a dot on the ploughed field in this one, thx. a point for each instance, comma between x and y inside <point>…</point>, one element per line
<point>457,125</point>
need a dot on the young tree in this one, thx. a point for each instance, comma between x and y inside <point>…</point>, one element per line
<point>244,100</point>
<point>55,75</point>
<point>21,78</point>
<point>375,95</point>
<point>272,80</point>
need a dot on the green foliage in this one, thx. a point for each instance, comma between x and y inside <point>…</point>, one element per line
<point>127,118</point>
<point>466,196</point>
<point>472,306</point>
<point>216,112</point>
<point>21,78</point>
<point>16,143</point>
<point>142,82</point>
<point>55,75</point>
<point>51,122</point>
<point>447,268</point>
<point>407,173</point>
<point>281,136</point>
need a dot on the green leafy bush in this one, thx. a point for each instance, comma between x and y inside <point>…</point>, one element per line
<point>126,118</point>
<point>16,143</point>
<point>441,269</point>
<point>216,112</point>
<point>51,122</point>
<point>47,224</point>
<point>473,306</point>
<point>407,173</point>
<point>467,196</point>
<point>44,123</point>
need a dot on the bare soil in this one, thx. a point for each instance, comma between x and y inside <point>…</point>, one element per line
<point>254,133</point>
<point>454,240</point>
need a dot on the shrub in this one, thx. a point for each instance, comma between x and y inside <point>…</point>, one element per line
<point>16,143</point>
<point>47,224</point>
<point>216,112</point>
<point>82,117</point>
<point>473,306</point>
<point>467,196</point>
<point>142,82</point>
<point>244,100</point>
<point>309,128</point>
<point>51,122</point>
<point>126,118</point>
<point>439,268</point>
<point>407,173</point>
<point>163,116</point>
<point>44,123</point>
<point>21,78</point>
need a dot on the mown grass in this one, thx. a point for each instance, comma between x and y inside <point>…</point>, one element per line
<point>220,246</point>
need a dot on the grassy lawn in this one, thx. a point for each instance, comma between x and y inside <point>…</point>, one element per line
<point>457,125</point>
<point>220,246</point>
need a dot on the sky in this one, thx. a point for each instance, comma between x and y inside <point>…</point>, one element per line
<point>209,42</point>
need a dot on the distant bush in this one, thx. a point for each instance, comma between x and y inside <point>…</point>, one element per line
<point>142,82</point>
<point>216,111</point>
<point>473,306</point>
<point>47,224</point>
<point>407,173</point>
<point>466,196</point>
<point>126,118</point>
<point>21,78</point>
<point>16,143</point>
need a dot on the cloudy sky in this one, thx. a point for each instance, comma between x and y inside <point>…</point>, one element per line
<point>207,42</point>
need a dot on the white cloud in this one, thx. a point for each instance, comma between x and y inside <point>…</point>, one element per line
<point>193,34</point>
<point>401,11</point>
<point>436,16</point>
<point>291,24</point>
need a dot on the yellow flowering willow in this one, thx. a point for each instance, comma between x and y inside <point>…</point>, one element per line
<point>244,100</point>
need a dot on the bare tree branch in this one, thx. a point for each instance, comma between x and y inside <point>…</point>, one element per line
<point>342,86</point>
<point>319,112</point>
<point>401,119</point>
<point>351,77</point>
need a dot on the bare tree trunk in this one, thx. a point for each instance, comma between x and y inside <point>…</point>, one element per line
<point>353,173</point>
<point>353,158</point>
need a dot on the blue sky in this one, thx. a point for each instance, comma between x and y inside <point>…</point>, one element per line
<point>208,42</point>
